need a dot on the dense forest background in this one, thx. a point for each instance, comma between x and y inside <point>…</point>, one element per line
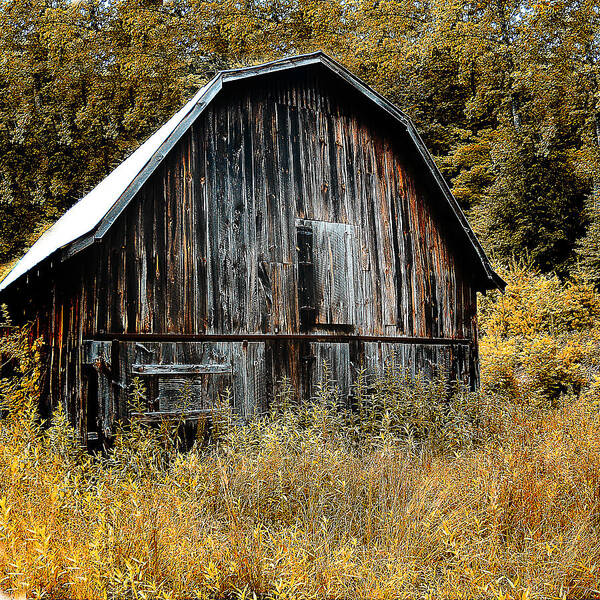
<point>505,93</point>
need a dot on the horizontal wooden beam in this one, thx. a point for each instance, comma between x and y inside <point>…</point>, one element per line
<point>174,415</point>
<point>171,369</point>
<point>260,337</point>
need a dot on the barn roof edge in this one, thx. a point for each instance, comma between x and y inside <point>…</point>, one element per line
<point>105,202</point>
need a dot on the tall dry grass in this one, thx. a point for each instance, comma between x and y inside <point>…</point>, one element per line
<point>494,495</point>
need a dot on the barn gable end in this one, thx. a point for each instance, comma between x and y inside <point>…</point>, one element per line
<point>294,220</point>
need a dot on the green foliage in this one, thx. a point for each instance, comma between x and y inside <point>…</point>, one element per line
<point>222,417</point>
<point>504,92</point>
<point>533,206</point>
<point>390,410</point>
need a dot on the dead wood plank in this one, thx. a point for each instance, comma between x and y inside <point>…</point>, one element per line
<point>199,369</point>
<point>163,415</point>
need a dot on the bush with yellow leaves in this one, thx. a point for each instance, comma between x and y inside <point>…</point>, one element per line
<point>541,339</point>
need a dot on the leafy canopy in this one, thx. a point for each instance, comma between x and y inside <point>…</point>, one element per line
<point>506,94</point>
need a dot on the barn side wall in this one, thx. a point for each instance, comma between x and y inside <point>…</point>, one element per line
<point>213,245</point>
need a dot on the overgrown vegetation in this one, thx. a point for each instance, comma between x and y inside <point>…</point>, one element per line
<point>415,494</point>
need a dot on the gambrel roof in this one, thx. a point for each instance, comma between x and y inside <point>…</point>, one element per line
<point>91,217</point>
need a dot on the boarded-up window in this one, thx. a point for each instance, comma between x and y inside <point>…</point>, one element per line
<point>176,376</point>
<point>189,387</point>
<point>326,272</point>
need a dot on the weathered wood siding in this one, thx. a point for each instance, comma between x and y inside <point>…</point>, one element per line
<point>209,245</point>
<point>288,208</point>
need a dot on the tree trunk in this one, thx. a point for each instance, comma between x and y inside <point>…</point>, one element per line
<point>596,177</point>
<point>508,42</point>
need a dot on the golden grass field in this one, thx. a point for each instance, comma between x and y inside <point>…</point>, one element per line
<point>494,495</point>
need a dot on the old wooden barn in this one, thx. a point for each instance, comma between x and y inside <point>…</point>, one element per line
<point>286,215</point>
